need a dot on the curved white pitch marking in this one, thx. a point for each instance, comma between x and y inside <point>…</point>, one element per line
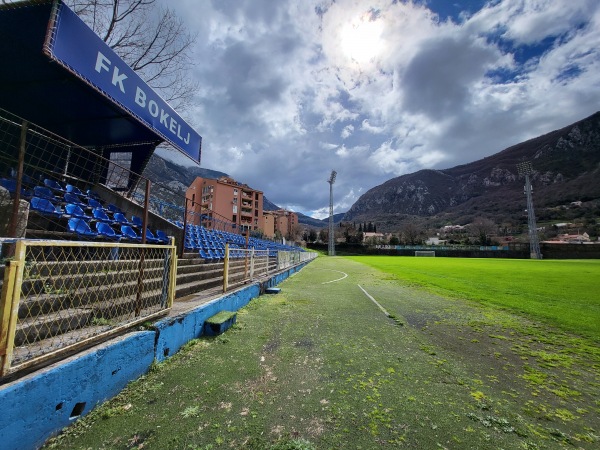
<point>338,279</point>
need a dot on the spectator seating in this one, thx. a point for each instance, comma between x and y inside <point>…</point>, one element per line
<point>45,207</point>
<point>136,221</point>
<point>76,211</point>
<point>75,190</point>
<point>162,237</point>
<point>121,219</point>
<point>94,203</point>
<point>69,197</point>
<point>105,230</point>
<point>130,234</point>
<point>81,227</point>
<point>101,216</point>
<point>45,192</point>
<point>11,186</point>
<point>54,185</point>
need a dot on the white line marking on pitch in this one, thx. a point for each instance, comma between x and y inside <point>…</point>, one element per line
<point>374,301</point>
<point>338,279</point>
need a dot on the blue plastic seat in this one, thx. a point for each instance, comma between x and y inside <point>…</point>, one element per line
<point>72,198</point>
<point>114,209</point>
<point>93,203</point>
<point>45,206</point>
<point>162,237</point>
<point>105,230</point>
<point>92,194</point>
<point>120,218</point>
<point>136,221</point>
<point>101,216</point>
<point>44,192</point>
<point>76,211</point>
<point>75,190</point>
<point>54,185</point>
<point>81,227</point>
<point>204,254</point>
<point>130,234</point>
<point>9,184</point>
<point>150,237</point>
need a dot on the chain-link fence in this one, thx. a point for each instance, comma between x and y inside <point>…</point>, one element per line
<point>244,265</point>
<point>59,297</point>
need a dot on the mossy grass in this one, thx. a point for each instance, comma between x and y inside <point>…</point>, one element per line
<point>221,317</point>
<point>319,366</point>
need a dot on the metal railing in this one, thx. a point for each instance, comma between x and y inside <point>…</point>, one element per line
<point>59,297</point>
<point>245,265</point>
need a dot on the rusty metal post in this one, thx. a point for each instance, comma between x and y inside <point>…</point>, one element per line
<point>140,284</point>
<point>14,219</point>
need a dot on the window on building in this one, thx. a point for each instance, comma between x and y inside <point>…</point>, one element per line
<point>256,196</point>
<point>234,219</point>
<point>235,209</point>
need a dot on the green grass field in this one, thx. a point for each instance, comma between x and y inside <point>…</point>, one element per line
<point>321,366</point>
<point>560,292</point>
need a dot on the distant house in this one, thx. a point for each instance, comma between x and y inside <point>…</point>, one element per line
<point>434,241</point>
<point>573,238</point>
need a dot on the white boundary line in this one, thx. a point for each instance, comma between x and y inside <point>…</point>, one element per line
<point>338,279</point>
<point>387,314</point>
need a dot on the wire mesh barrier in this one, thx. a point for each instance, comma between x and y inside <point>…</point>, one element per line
<point>71,219</point>
<point>245,265</point>
<point>59,297</point>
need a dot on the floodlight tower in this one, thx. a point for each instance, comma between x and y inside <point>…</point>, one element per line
<point>331,247</point>
<point>525,168</point>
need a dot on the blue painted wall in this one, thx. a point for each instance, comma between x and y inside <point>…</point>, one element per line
<point>174,332</point>
<point>39,405</point>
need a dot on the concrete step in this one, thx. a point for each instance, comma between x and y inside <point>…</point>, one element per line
<point>66,292</point>
<point>34,329</point>
<point>185,289</point>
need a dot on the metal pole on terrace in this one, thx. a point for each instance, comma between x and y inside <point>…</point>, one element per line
<point>525,168</point>
<point>331,247</point>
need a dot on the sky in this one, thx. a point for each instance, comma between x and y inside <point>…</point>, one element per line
<point>290,90</point>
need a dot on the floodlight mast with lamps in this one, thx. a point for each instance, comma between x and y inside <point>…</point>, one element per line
<point>331,247</point>
<point>525,168</point>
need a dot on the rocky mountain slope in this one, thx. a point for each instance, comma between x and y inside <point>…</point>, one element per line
<point>566,167</point>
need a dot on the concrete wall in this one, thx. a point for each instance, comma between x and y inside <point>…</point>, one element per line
<point>40,404</point>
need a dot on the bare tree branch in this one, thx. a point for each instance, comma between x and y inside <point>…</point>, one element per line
<point>152,40</point>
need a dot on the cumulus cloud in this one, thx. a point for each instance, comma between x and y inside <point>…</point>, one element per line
<point>375,89</point>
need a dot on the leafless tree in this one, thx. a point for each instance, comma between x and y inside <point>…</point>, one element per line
<point>150,38</point>
<point>411,234</point>
<point>483,229</point>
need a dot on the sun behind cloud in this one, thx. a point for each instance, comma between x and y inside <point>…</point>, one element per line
<point>360,40</point>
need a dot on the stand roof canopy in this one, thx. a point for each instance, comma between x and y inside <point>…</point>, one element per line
<point>57,73</point>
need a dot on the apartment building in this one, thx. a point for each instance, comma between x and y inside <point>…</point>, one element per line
<point>225,199</point>
<point>281,221</point>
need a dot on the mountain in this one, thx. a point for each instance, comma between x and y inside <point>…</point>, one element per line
<point>175,178</point>
<point>269,205</point>
<point>566,165</point>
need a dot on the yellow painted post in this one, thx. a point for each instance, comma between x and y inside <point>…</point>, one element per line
<point>226,268</point>
<point>11,295</point>
<point>173,276</point>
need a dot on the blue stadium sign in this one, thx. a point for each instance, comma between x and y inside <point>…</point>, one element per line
<point>77,47</point>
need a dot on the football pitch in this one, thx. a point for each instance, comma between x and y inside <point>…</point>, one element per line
<point>381,352</point>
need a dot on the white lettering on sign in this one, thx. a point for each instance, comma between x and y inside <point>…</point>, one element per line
<point>103,64</point>
<point>118,79</point>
